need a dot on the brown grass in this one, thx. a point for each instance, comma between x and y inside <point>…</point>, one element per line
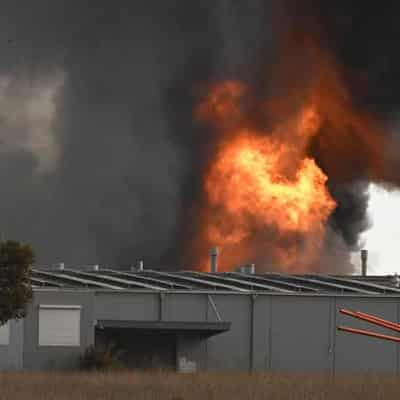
<point>169,386</point>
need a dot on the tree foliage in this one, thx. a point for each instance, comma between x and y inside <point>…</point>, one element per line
<point>16,260</point>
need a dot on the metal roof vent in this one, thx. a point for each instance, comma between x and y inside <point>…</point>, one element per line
<point>396,280</point>
<point>214,259</point>
<point>364,262</point>
<point>96,267</point>
<point>252,269</point>
<point>61,266</point>
<point>249,269</point>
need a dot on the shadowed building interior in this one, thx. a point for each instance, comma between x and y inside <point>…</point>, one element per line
<point>143,349</point>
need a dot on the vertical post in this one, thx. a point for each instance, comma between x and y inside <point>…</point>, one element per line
<point>214,259</point>
<point>364,260</point>
<point>162,307</point>
<point>332,335</point>
<point>253,331</point>
<point>398,347</point>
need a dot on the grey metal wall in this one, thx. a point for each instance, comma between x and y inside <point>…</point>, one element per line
<point>11,354</point>
<point>127,306</point>
<point>359,353</point>
<point>48,357</point>
<point>300,334</point>
<point>268,332</point>
<point>291,333</point>
<point>231,350</point>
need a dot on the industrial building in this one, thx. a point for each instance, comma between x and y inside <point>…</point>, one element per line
<point>196,320</point>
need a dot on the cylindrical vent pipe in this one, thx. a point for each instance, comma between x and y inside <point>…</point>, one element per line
<point>140,265</point>
<point>252,269</point>
<point>214,259</point>
<point>364,262</point>
<point>248,269</point>
<point>61,266</point>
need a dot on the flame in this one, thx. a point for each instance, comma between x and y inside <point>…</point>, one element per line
<point>248,178</point>
<point>265,183</point>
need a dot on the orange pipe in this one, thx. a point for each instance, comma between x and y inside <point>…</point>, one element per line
<point>368,333</point>
<point>385,324</point>
<point>392,324</point>
<point>371,319</point>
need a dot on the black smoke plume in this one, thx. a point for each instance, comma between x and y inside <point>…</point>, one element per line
<point>362,40</point>
<point>99,149</point>
<point>100,157</point>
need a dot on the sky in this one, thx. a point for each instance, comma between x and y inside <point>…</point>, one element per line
<point>383,237</point>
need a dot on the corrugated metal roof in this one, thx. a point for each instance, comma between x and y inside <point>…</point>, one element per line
<point>156,280</point>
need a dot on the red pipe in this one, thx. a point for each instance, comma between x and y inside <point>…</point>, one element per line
<point>385,324</point>
<point>371,319</point>
<point>393,324</point>
<point>368,333</point>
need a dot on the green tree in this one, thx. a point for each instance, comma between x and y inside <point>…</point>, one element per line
<point>16,261</point>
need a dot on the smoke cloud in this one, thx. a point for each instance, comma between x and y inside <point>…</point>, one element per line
<point>98,147</point>
<point>101,158</point>
<point>361,41</point>
<point>27,115</point>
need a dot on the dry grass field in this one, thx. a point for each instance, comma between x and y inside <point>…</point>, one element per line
<point>168,386</point>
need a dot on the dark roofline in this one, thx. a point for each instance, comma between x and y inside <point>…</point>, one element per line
<point>168,326</point>
<point>195,281</point>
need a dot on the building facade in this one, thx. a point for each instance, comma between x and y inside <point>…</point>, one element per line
<point>191,321</point>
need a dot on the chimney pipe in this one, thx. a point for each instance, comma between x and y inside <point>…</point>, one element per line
<point>252,269</point>
<point>214,259</point>
<point>364,259</point>
<point>141,265</point>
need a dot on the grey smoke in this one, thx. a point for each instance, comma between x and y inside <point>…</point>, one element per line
<point>100,171</point>
<point>100,157</point>
<point>27,117</point>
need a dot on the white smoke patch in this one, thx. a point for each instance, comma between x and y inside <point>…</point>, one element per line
<point>383,237</point>
<point>27,115</point>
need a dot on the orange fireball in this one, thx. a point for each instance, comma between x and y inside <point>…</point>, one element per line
<point>265,196</point>
<point>264,183</point>
<point>248,179</point>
